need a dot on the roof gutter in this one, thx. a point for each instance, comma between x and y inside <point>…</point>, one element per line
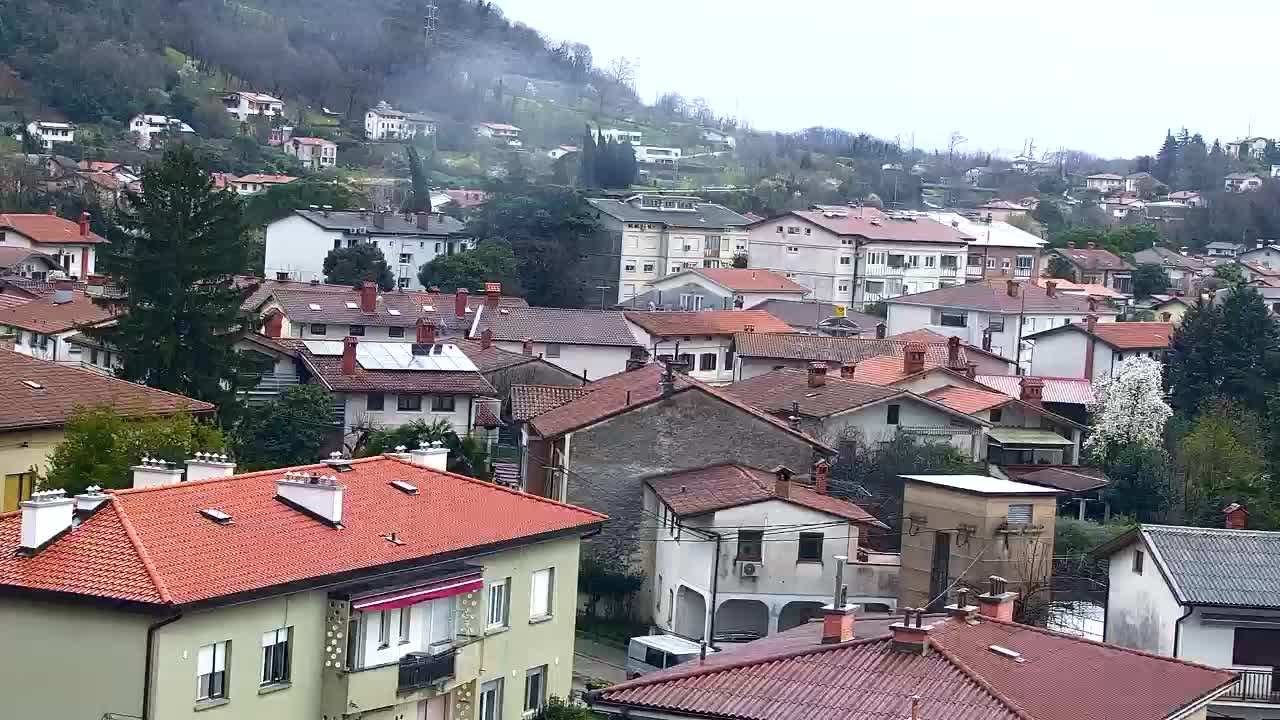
<point>149,662</point>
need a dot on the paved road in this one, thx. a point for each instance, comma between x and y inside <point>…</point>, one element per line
<point>597,660</point>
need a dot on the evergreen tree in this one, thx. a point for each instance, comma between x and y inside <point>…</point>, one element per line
<point>354,265</point>
<point>285,431</point>
<point>1194,352</point>
<point>1215,168</point>
<point>1249,345</point>
<point>627,165</point>
<point>587,161</point>
<point>1166,164</point>
<point>174,253</point>
<point>420,199</point>
<point>1192,168</point>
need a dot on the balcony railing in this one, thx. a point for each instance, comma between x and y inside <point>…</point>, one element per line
<point>419,670</point>
<point>1255,686</point>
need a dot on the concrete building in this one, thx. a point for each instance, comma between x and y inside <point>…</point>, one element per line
<point>316,608</point>
<point>259,182</point>
<point>297,245</point>
<point>759,353</point>
<point>776,569</point>
<point>384,122</point>
<point>150,129</point>
<point>976,520</point>
<point>1104,183</point>
<point>72,245</point>
<point>588,343</point>
<point>44,326</point>
<point>1095,266</point>
<point>49,134</point>
<point>1022,432</point>
<point>245,105</point>
<point>653,236</point>
<point>997,250</point>
<point>1184,272</point>
<point>314,153</point>
<point>1002,211</point>
<point>1200,594</point>
<point>26,263</point>
<point>859,255</point>
<point>1220,249</point>
<point>619,135</point>
<point>1093,350</point>
<point>715,289</point>
<point>1252,148</point>
<point>653,155</point>
<point>499,132</point>
<point>702,342</point>
<point>1241,182</point>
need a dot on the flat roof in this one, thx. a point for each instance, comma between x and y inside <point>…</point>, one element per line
<point>669,643</point>
<point>983,484</point>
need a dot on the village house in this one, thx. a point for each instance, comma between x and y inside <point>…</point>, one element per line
<point>776,570</point>
<point>1184,272</point>
<point>259,182</point>
<point>1068,397</point>
<point>49,133</point>
<point>1170,308</point>
<point>1093,350</point>
<point>245,105</point>
<point>997,249</point>
<point>502,133</point>
<point>560,151</point>
<point>346,617</point>
<point>619,135</point>
<point>296,245</point>
<point>146,128</point>
<point>72,245</point>
<point>37,399</point>
<point>313,153</point>
<point>588,343</point>
<point>1001,211</point>
<point>702,342</point>
<point>759,353</point>
<point>653,155</point>
<point>1104,183</point>
<point>654,236</point>
<point>859,255</point>
<point>1022,430</point>
<point>718,138</point>
<point>811,317</point>
<point>1220,249</point>
<point>26,263</point>
<point>1190,197</point>
<point>1251,148</point>
<point>43,326</point>
<point>721,288</point>
<point>1201,594</point>
<point>384,122</point>
<point>1241,182</point>
<point>1093,265</point>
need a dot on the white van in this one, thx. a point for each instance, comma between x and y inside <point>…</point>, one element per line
<point>648,653</point>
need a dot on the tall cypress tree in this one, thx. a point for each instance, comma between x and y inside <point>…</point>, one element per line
<point>420,200</point>
<point>1166,164</point>
<point>587,161</point>
<point>174,253</point>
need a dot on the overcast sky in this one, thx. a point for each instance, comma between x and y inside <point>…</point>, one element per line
<point>1104,77</point>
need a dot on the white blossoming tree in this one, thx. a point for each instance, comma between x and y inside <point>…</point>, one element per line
<point>1129,408</point>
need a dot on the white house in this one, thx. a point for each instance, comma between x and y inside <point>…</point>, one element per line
<point>43,327</point>
<point>72,245</point>
<point>1207,595</point>
<point>500,132</point>
<point>657,155</point>
<point>659,235</point>
<point>1093,350</point>
<point>588,343</point>
<point>146,126</point>
<point>703,341</point>
<point>1241,182</point>
<point>776,569</point>
<point>859,255</point>
<point>384,122</point>
<point>993,315</point>
<point>1252,148</point>
<point>296,245</point>
<point>997,249</point>
<point>245,105</point>
<point>1220,248</point>
<point>51,133</point>
<point>716,289</point>
<point>1104,183</point>
<point>560,151</point>
<point>619,135</point>
<point>712,136</point>
<point>315,153</point>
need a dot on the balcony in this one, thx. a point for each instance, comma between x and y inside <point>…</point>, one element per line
<point>417,676</point>
<point>420,670</point>
<point>1259,686</point>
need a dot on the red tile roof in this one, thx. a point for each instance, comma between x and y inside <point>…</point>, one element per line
<point>153,545</point>
<point>888,369</point>
<point>625,391</point>
<point>831,349</point>
<point>778,391</point>
<point>1057,677</point>
<point>43,315</point>
<point>46,228</point>
<point>265,179</point>
<point>10,256</point>
<point>556,325</point>
<point>967,400</point>
<point>875,225</point>
<point>751,280</point>
<point>1077,391</point>
<point>64,388</point>
<point>707,322</point>
<point>704,490</point>
<point>1132,335</point>
<point>1093,259</point>
<point>993,296</point>
<point>528,401</point>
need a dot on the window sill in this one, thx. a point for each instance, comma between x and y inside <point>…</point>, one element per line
<point>403,642</point>
<point>202,705</point>
<point>496,630</point>
<point>383,646</point>
<point>274,687</point>
<point>541,619</point>
<point>808,562</point>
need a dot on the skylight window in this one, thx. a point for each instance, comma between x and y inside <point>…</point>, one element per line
<point>351,305</point>
<point>33,384</point>
<point>428,308</point>
<point>404,487</point>
<point>313,306</point>
<point>216,515</point>
<point>1006,652</point>
<point>393,311</point>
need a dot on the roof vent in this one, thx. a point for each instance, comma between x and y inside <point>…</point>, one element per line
<point>216,515</point>
<point>33,384</point>
<point>1006,652</point>
<point>504,311</point>
<point>313,306</point>
<point>393,311</point>
<point>404,487</point>
<point>338,463</point>
<point>428,308</point>
<point>352,306</point>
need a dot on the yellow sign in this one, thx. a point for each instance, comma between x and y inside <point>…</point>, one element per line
<point>840,310</point>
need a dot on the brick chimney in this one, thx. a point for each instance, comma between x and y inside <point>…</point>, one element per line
<point>953,353</point>
<point>492,295</point>
<point>847,370</point>
<point>1051,288</point>
<point>782,481</point>
<point>526,346</point>
<point>273,326</point>
<point>821,476</point>
<point>349,344</point>
<point>971,370</point>
<point>997,604</point>
<point>425,332</point>
<point>881,330</point>
<point>838,617</point>
<point>1091,322</point>
<point>486,339</point>
<point>817,374</point>
<point>84,224</point>
<point>913,357</point>
<point>368,297</point>
<point>911,635</point>
<point>460,302</point>
<point>1031,390</point>
<point>423,220</point>
<point>1093,304</point>
<point>1011,288</point>
<point>1237,516</point>
<point>380,220</point>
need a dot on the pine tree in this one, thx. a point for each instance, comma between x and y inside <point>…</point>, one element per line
<point>587,161</point>
<point>174,254</point>
<point>1194,352</point>
<point>1250,341</point>
<point>1191,170</point>
<point>1166,160</point>
<point>420,200</point>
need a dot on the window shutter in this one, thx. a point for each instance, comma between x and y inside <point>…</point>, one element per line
<point>204,660</point>
<point>540,598</point>
<point>1019,515</point>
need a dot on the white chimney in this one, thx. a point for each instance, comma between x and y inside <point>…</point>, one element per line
<point>153,472</point>
<point>401,452</point>
<point>316,495</point>
<point>435,457</point>
<point>209,465</point>
<point>44,517</point>
<point>89,500</point>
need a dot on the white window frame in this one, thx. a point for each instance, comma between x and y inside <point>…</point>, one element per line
<point>551,350</point>
<point>491,700</point>
<point>274,643</point>
<point>499,594</point>
<point>793,249</point>
<point>542,588</point>
<point>535,702</point>
<point>211,660</point>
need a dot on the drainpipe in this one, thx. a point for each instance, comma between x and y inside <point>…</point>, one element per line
<point>1177,628</point>
<point>709,627</point>
<point>149,663</point>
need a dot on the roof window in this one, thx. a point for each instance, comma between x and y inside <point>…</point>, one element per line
<point>313,306</point>
<point>393,311</point>
<point>351,305</point>
<point>404,487</point>
<point>216,515</point>
<point>1006,652</point>
<point>33,384</point>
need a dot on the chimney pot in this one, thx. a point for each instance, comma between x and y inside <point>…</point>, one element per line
<point>434,456</point>
<point>971,370</point>
<point>817,374</point>
<point>349,344</point>
<point>909,637</point>
<point>913,357</point>
<point>460,302</point>
<point>423,220</point>
<point>380,219</point>
<point>782,481</point>
<point>1091,322</point>
<point>953,352</point>
<point>1050,287</point>
<point>526,346</point>
<point>368,297</point>
<point>998,603</point>
<point>45,516</point>
<point>848,370</point>
<point>1091,245</point>
<point>961,608</point>
<point>1071,244</point>
<point>881,330</point>
<point>1031,390</point>
<point>63,292</point>
<point>153,472</point>
<point>209,465</point>
<point>317,495</point>
<point>821,476</point>
<point>1237,516</point>
<point>1093,304</point>
<point>425,332</point>
<point>838,617</point>
<point>492,295</point>
<point>1011,287</point>
<point>486,339</point>
<point>84,224</point>
<point>91,499</point>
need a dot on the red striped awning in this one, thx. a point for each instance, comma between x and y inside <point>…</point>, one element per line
<point>405,597</point>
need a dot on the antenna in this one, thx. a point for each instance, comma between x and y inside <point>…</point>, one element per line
<point>430,22</point>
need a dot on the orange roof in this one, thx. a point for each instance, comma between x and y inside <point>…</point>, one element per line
<point>43,315</point>
<point>46,228</point>
<point>1089,289</point>
<point>153,545</point>
<point>750,280</point>
<point>886,370</point>
<point>708,322</point>
<point>1122,335</point>
<point>265,179</point>
<point>967,400</point>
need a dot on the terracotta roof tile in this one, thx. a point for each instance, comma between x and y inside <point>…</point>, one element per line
<point>751,280</point>
<point>1093,259</point>
<point>775,393</point>
<point>887,370</point>
<point>557,325</point>
<point>270,543</point>
<point>707,322</point>
<point>704,490</point>
<point>528,401</point>
<point>815,348</point>
<point>1134,335</point>
<point>45,228</point>
<point>993,296</point>
<point>1076,391</point>
<point>43,315</point>
<point>967,400</point>
<point>64,388</point>
<point>875,225</point>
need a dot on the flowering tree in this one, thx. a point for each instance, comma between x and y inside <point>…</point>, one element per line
<point>1129,408</point>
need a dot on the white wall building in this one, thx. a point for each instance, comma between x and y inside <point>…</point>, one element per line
<point>716,289</point>
<point>297,245</point>
<point>590,344</point>
<point>245,105</point>
<point>72,245</point>
<point>619,135</point>
<point>657,155</point>
<point>703,340</point>
<point>147,126</point>
<point>1094,350</point>
<point>501,132</point>
<point>315,153</point>
<point>51,133</point>
<point>1104,182</point>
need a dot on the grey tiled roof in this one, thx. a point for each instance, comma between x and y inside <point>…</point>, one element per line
<point>705,215</point>
<point>1213,566</point>
<point>393,223</point>
<point>807,314</point>
<point>557,325</point>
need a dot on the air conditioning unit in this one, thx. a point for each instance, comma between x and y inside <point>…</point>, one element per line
<point>748,569</point>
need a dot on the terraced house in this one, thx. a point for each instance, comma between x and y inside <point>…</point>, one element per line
<point>355,589</point>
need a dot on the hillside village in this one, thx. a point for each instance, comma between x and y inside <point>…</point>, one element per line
<point>314,381</point>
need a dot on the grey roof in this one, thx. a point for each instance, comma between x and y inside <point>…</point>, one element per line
<point>670,299</point>
<point>705,215</point>
<point>803,314</point>
<point>557,325</point>
<point>1164,256</point>
<point>1213,566</point>
<point>393,223</point>
<point>1220,245</point>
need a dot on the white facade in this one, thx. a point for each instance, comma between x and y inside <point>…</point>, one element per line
<point>357,412</point>
<point>315,153</point>
<point>145,126</point>
<point>709,355</point>
<point>1066,354</point>
<point>591,362</point>
<point>969,325</point>
<point>870,424</point>
<point>51,133</point>
<point>245,105</point>
<point>383,123</point>
<point>507,134</point>
<point>75,260</point>
<point>657,155</point>
<point>620,136</point>
<point>717,296</point>
<point>47,346</point>
<point>780,590</point>
<point>1104,183</point>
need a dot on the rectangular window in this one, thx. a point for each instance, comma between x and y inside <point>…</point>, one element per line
<point>395,332</point>
<point>793,249</point>
<point>497,612</point>
<point>409,403</point>
<point>875,287</point>
<point>996,415</point>
<point>875,258</point>
<point>535,689</point>
<point>842,287</point>
<point>930,261</point>
<point>442,403</point>
<point>810,547</point>
<point>541,587</point>
<point>337,244</point>
<point>779,228</point>
<point>707,361</point>
<point>948,318</point>
<point>975,260</point>
<point>402,283</point>
<point>357,330</point>
<point>629,266</point>
<point>896,261</point>
<point>1028,324</point>
<point>1019,514</point>
<point>552,350</point>
<point>892,414</point>
<point>1024,265</point>
<point>1257,647</point>
<point>750,543</point>
<point>991,263</point>
<point>845,260</point>
<point>491,700</point>
<point>913,261</point>
<point>374,401</point>
<point>793,230</point>
<point>950,262</point>
<point>648,267</point>
<point>275,656</point>
<point>996,324</point>
<point>384,629</point>
<point>211,671</point>
<point>319,329</point>
<point>406,620</point>
<point>406,258</point>
<point>1138,557</point>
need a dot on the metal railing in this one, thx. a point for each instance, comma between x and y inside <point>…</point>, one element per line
<point>419,670</point>
<point>1255,686</point>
